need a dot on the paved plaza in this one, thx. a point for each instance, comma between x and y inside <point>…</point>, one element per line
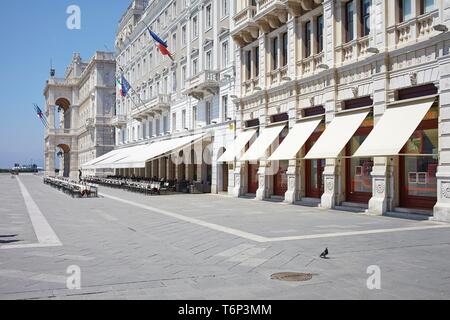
<point>180,246</point>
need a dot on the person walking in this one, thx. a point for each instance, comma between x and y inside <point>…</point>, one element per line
<point>80,175</point>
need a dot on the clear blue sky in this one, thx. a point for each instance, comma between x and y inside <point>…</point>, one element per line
<point>33,32</point>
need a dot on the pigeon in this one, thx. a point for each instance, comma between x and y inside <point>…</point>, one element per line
<point>324,254</point>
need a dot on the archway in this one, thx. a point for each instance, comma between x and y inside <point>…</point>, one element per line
<point>64,108</point>
<point>64,156</point>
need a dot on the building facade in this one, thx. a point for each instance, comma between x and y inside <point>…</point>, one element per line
<point>79,109</point>
<point>186,96</point>
<point>337,68</point>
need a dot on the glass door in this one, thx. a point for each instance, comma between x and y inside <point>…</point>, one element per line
<point>358,171</point>
<point>314,172</point>
<point>418,185</point>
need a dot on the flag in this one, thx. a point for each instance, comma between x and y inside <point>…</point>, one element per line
<point>40,115</point>
<point>123,86</point>
<point>164,51</point>
<point>157,38</point>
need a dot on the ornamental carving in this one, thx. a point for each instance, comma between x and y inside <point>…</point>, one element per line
<point>380,187</point>
<point>445,190</point>
<point>330,184</point>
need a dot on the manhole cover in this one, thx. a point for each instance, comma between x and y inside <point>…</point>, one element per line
<point>292,276</point>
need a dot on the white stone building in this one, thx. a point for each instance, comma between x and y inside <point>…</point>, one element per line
<point>170,100</point>
<point>79,109</point>
<point>356,92</point>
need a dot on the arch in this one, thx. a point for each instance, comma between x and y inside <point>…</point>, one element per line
<point>65,160</point>
<point>63,103</point>
<point>64,147</point>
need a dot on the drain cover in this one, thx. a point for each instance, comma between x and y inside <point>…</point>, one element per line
<point>292,276</point>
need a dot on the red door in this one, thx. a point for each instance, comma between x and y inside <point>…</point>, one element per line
<point>253,178</point>
<point>314,172</point>
<point>418,185</point>
<point>358,170</point>
<point>280,185</point>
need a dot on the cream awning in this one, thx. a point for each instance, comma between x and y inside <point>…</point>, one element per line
<point>139,158</point>
<point>337,134</point>
<point>89,164</point>
<point>295,140</point>
<point>393,130</point>
<point>238,145</point>
<point>121,154</point>
<point>259,148</point>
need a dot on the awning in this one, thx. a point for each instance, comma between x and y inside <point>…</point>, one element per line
<point>238,145</point>
<point>295,140</point>
<point>89,164</point>
<point>121,154</point>
<point>258,149</point>
<point>395,127</point>
<point>139,158</point>
<point>337,135</point>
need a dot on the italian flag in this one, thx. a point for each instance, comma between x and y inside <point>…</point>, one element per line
<point>119,86</point>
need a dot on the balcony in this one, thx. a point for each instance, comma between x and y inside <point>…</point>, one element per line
<point>204,83</point>
<point>245,29</point>
<point>310,65</point>
<point>119,121</point>
<point>61,134</point>
<point>354,50</point>
<point>154,106</point>
<point>248,87</point>
<point>413,30</point>
<point>270,14</point>
<point>276,76</point>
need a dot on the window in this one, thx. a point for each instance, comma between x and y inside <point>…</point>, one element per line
<point>194,117</point>
<point>224,8</point>
<point>275,54</point>
<point>183,120</point>
<point>165,85</point>
<point>308,47</point>
<point>225,54</point>
<point>208,17</point>
<point>257,61</point>
<point>365,17</point>
<point>194,67</point>
<point>284,57</point>
<point>165,124</point>
<point>319,36</point>
<point>405,10</point>
<point>174,9</point>
<point>225,108</point>
<point>208,60</point>
<point>208,113</point>
<point>174,81</point>
<point>183,35</point>
<point>248,64</point>
<point>349,21</point>
<point>426,6</point>
<point>174,122</point>
<point>194,27</point>
<point>183,77</point>
<point>174,42</point>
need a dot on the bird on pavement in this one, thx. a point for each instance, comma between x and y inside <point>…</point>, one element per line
<point>324,254</point>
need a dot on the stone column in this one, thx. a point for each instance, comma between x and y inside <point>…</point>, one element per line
<point>442,208</point>
<point>240,180</point>
<point>383,192</point>
<point>332,174</point>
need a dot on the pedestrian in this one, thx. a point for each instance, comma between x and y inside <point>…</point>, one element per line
<point>80,174</point>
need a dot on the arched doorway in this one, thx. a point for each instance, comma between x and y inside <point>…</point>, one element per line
<point>64,156</point>
<point>64,109</point>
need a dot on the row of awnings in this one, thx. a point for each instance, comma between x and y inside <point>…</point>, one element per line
<point>138,156</point>
<point>387,138</point>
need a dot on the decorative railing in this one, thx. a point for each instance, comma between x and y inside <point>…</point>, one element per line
<point>245,14</point>
<point>414,29</point>
<point>354,50</point>
<point>204,77</point>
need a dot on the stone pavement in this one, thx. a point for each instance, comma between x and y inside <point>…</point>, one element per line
<point>131,246</point>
